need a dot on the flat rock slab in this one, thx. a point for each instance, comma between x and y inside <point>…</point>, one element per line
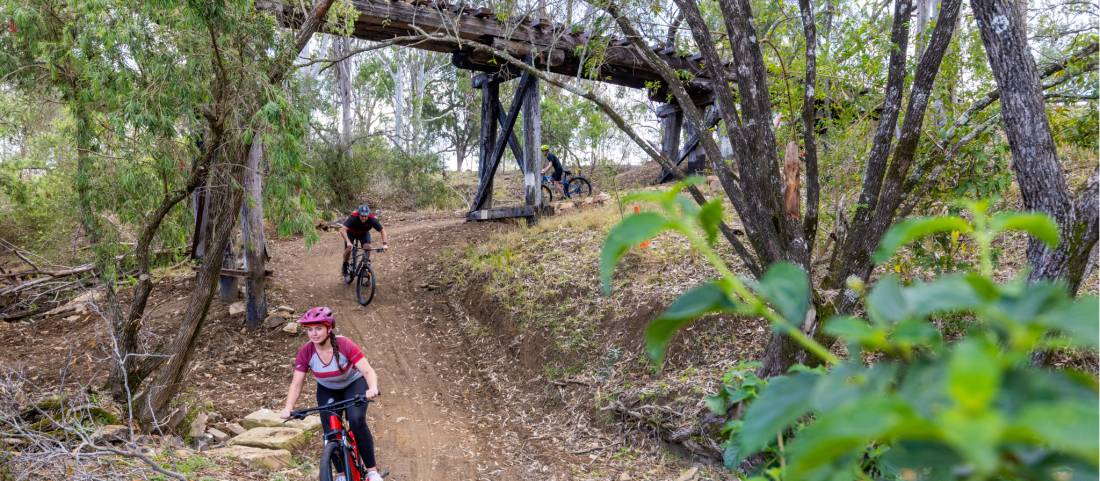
<point>271,438</point>
<point>268,418</point>
<point>255,457</point>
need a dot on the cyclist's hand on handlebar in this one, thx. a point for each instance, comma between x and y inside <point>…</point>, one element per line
<point>285,414</point>
<point>371,393</point>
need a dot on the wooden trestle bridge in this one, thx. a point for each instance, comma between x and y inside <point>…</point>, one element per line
<point>554,47</point>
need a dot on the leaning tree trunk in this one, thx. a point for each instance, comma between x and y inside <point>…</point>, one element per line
<point>223,207</point>
<point>1034,157</point>
<point>224,204</point>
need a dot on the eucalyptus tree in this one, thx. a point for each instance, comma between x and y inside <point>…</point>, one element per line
<point>170,94</point>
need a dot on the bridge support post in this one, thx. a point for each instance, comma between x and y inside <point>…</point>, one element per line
<point>532,154</point>
<point>672,120</point>
<point>487,139</point>
<point>695,157</point>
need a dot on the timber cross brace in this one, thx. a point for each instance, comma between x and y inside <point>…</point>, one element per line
<point>549,46</point>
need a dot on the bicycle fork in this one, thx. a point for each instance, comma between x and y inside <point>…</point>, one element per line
<point>350,449</point>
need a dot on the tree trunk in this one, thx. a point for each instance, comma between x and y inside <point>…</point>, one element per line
<point>224,204</point>
<point>252,233</point>
<point>1034,157</point>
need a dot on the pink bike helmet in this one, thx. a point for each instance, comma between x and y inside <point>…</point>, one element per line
<point>318,315</point>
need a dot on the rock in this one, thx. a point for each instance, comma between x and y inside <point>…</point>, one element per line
<point>269,418</point>
<point>275,321</point>
<point>198,426</point>
<point>234,428</point>
<point>284,309</point>
<point>271,438</point>
<point>236,308</point>
<point>291,328</point>
<point>111,433</point>
<point>564,207</point>
<point>255,457</point>
<point>688,474</point>
<point>218,435</point>
<point>624,477</point>
<point>603,197</point>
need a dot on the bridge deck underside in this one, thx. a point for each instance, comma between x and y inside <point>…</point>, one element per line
<point>555,47</point>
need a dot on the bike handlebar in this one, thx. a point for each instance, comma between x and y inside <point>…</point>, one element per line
<point>358,400</point>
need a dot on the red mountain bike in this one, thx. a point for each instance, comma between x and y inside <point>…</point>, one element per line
<point>341,454</point>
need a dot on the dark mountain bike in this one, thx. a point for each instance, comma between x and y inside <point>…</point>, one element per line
<point>358,270</point>
<point>573,186</point>
<point>341,454</point>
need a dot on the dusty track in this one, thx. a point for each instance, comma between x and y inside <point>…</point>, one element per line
<point>421,431</point>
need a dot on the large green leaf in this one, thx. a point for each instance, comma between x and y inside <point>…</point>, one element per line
<point>787,289</point>
<point>973,374</point>
<point>842,432</point>
<point>1077,319</point>
<point>890,303</point>
<point>630,232</point>
<point>1068,426</point>
<point>710,217</point>
<point>782,402</point>
<point>919,461</point>
<point>1039,226</point>
<point>885,304</point>
<point>703,299</point>
<point>915,228</point>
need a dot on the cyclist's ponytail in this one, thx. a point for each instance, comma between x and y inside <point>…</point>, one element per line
<point>336,352</point>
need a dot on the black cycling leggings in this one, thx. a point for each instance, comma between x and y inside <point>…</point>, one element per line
<point>356,415</point>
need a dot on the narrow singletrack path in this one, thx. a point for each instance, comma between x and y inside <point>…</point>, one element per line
<point>420,432</point>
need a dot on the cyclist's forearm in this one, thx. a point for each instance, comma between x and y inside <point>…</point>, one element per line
<point>294,390</point>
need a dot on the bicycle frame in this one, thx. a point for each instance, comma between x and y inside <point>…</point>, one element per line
<point>338,433</point>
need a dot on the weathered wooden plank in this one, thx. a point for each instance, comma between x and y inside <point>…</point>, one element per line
<point>237,273</point>
<point>671,124</point>
<point>501,213</point>
<point>532,141</point>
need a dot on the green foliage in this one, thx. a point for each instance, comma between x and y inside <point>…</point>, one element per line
<point>386,176</point>
<point>925,409</point>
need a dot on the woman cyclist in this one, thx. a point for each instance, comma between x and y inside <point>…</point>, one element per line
<point>342,372</point>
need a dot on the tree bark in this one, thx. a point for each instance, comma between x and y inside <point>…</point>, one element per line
<point>1034,157</point>
<point>252,233</point>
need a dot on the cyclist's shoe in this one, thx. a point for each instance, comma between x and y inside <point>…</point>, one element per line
<point>340,477</point>
<point>373,476</point>
<point>344,268</point>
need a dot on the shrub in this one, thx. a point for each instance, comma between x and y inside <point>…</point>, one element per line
<point>925,408</point>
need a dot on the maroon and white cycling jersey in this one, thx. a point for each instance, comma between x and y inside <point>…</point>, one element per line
<point>339,372</point>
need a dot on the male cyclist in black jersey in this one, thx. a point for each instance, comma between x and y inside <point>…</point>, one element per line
<point>553,163</point>
<point>357,227</point>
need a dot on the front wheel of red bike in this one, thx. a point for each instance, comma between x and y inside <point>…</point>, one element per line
<point>332,461</point>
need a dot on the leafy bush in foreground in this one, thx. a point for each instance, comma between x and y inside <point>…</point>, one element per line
<point>925,409</point>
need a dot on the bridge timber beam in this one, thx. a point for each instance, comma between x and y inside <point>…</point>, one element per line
<point>554,47</point>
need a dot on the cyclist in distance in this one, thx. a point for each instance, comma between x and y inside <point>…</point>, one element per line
<point>357,227</point>
<point>342,372</point>
<point>553,163</point>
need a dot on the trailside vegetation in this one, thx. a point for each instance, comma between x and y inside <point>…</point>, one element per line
<point>904,403</point>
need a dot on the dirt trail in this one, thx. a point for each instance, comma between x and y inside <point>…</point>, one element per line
<point>421,432</point>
